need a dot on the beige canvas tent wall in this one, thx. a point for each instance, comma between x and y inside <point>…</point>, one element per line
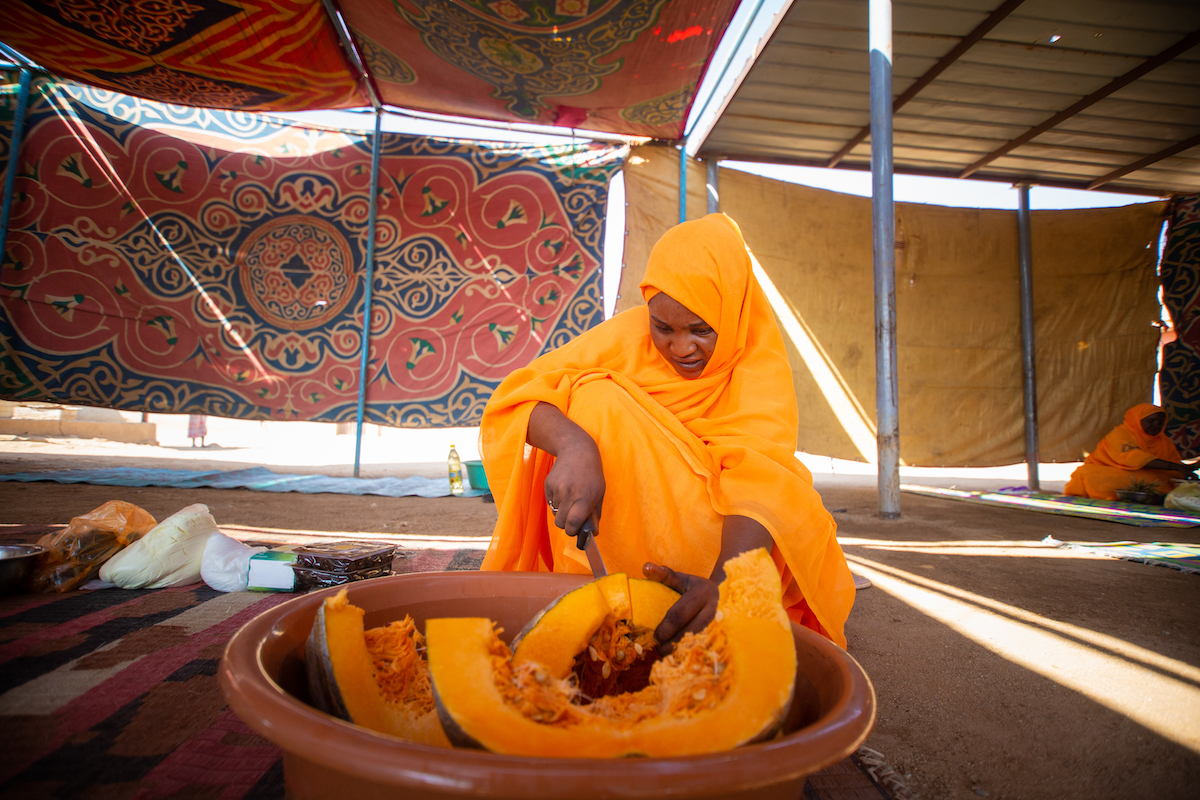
<point>957,300</point>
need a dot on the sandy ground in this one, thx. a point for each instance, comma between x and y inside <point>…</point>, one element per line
<point>1003,667</point>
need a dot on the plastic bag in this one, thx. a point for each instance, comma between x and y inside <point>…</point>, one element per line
<point>75,554</point>
<point>1184,497</point>
<point>169,555</point>
<point>225,565</point>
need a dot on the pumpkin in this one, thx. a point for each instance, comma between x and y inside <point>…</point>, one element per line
<point>375,678</point>
<point>726,686</point>
<point>602,632</point>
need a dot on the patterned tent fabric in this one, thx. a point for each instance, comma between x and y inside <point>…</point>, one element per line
<point>1179,379</point>
<point>631,66</point>
<point>249,55</point>
<point>169,259</point>
<point>627,66</point>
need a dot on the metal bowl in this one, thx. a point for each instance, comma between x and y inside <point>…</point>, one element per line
<point>1145,498</point>
<point>16,562</point>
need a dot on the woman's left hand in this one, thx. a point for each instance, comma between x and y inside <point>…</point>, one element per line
<point>695,608</point>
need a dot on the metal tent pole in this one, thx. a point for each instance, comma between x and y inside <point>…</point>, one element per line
<point>683,181</point>
<point>368,282</point>
<point>14,153</point>
<point>1028,366</point>
<point>714,190</point>
<point>883,219</point>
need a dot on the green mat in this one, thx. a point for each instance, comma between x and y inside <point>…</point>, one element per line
<point>1183,557</point>
<point>1111,510</point>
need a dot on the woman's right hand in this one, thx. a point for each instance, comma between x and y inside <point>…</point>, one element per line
<point>575,484</point>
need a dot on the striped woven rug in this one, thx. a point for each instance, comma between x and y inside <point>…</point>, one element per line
<point>114,693</point>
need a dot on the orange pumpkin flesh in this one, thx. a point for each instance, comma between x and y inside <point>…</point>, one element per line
<point>375,678</point>
<point>602,632</point>
<point>726,686</point>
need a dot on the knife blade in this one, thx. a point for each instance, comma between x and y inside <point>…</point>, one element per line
<point>585,540</point>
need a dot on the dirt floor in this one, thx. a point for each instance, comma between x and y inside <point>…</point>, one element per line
<point>1004,667</point>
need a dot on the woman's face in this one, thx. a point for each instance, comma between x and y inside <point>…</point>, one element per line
<point>1153,425</point>
<point>685,341</point>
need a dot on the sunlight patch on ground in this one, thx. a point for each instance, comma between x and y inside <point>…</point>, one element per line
<point>1155,691</point>
<point>404,540</point>
<point>1016,549</point>
<point>845,406</point>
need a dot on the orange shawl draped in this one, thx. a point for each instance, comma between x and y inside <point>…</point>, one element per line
<point>1121,456</point>
<point>678,454</point>
<point>1129,447</point>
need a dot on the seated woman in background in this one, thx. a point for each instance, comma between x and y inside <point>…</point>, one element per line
<point>1135,449</point>
<point>673,426</point>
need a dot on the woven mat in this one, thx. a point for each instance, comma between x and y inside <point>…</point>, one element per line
<point>1110,510</point>
<point>114,693</point>
<point>1183,557</point>
<point>257,479</point>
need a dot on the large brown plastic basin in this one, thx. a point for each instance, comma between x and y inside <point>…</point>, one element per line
<point>262,675</point>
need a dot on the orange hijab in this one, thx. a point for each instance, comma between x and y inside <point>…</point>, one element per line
<point>1113,448</point>
<point>738,420</point>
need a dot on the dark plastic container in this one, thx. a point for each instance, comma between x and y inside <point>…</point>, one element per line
<point>308,579</point>
<point>344,556</point>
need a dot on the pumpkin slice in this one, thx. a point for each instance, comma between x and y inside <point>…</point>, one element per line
<point>374,678</point>
<point>727,685</point>
<point>651,601</point>
<point>603,632</point>
<point>563,628</point>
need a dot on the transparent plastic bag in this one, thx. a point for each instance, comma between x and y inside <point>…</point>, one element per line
<point>75,554</point>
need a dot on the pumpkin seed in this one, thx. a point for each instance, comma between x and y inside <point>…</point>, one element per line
<point>699,694</point>
<point>637,648</point>
<point>620,656</point>
<point>607,670</point>
<point>539,676</point>
<point>593,653</point>
<point>720,615</point>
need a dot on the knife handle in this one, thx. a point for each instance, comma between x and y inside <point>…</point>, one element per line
<point>588,528</point>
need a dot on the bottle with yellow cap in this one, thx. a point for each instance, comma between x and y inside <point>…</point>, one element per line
<point>454,466</point>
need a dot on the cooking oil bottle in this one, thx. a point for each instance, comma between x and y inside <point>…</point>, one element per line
<point>454,467</point>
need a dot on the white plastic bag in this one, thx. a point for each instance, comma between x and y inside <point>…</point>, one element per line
<point>226,563</point>
<point>169,555</point>
<point>1184,497</point>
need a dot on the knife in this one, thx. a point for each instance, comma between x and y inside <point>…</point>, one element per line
<point>586,540</point>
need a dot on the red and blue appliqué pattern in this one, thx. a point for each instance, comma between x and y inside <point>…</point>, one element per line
<point>631,66</point>
<point>1179,378</point>
<point>250,55</point>
<point>181,260</point>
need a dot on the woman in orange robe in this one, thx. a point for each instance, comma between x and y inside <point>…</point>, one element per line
<point>673,427</point>
<point>1135,449</point>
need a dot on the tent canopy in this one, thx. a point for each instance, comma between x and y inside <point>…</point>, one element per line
<point>1102,93</point>
<point>607,65</point>
<point>1074,93</point>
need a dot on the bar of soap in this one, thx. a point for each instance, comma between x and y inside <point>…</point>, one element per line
<point>272,571</point>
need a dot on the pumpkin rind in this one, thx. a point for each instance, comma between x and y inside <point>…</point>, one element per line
<point>343,680</point>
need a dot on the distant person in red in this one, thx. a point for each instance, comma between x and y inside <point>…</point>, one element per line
<point>1135,449</point>
<point>197,428</point>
